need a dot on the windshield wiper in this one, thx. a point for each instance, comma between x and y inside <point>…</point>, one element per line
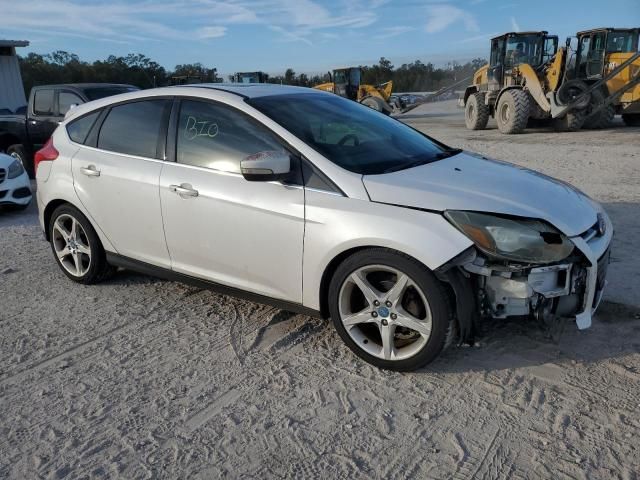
<point>423,161</point>
<point>448,153</point>
<point>404,166</point>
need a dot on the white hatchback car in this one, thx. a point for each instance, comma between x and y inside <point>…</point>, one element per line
<point>15,187</point>
<point>317,204</point>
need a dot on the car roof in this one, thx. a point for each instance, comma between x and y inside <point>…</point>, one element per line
<point>227,92</point>
<point>252,90</point>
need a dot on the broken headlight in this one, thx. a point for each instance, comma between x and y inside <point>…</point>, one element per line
<point>519,240</point>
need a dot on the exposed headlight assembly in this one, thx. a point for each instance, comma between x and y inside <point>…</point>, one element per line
<point>519,240</point>
<point>15,169</point>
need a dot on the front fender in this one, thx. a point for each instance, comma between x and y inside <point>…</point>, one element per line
<point>336,224</point>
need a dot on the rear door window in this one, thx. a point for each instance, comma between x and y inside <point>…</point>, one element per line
<point>43,102</point>
<point>135,128</point>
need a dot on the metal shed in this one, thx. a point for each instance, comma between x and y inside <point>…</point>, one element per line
<point>11,89</point>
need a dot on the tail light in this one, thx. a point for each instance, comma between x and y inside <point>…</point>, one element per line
<point>47,153</point>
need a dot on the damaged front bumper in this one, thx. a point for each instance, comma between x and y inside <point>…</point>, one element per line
<point>572,288</point>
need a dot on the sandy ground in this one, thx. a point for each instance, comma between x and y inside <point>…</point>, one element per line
<point>143,378</point>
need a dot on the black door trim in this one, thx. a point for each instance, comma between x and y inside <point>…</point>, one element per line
<point>155,271</point>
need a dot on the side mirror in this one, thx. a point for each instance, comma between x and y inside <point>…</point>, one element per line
<point>266,166</point>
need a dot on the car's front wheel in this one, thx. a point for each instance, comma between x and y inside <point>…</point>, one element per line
<point>389,309</point>
<point>76,246</point>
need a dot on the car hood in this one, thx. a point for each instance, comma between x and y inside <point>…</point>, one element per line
<point>471,182</point>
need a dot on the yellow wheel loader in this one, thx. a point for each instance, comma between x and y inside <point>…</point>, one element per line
<point>522,83</point>
<point>346,83</point>
<point>598,53</point>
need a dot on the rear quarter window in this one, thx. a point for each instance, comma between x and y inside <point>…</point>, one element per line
<point>80,128</point>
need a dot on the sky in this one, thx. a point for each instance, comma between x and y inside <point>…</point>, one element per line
<point>310,36</point>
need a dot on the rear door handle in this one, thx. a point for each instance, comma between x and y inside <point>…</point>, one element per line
<point>90,171</point>
<point>184,190</point>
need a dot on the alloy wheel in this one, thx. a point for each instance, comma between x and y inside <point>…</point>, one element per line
<point>71,245</point>
<point>385,312</point>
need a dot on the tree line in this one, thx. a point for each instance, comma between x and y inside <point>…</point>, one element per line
<point>141,71</point>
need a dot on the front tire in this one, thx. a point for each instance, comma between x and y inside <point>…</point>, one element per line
<point>77,247</point>
<point>603,117</point>
<point>571,122</point>
<point>389,309</point>
<point>512,112</point>
<point>476,112</point>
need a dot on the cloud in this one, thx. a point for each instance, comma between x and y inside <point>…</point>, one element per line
<point>479,38</point>
<point>514,25</point>
<point>169,20</point>
<point>389,32</point>
<point>211,32</point>
<point>441,16</point>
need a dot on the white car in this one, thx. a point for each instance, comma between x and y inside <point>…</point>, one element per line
<point>314,203</point>
<point>15,188</point>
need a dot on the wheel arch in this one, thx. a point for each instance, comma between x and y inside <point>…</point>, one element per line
<point>470,91</point>
<point>327,275</point>
<point>8,139</point>
<point>54,203</point>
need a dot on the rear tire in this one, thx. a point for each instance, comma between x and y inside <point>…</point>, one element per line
<point>631,119</point>
<point>420,302</point>
<point>77,247</point>
<point>18,152</point>
<point>571,122</point>
<point>603,117</point>
<point>476,113</point>
<point>512,112</point>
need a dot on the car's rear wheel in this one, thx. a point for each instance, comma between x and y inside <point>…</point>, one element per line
<point>76,246</point>
<point>389,309</point>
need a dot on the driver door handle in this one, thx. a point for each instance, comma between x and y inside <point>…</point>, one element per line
<point>184,190</point>
<point>90,171</point>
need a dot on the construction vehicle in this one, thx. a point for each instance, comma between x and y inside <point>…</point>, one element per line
<point>251,77</point>
<point>346,83</point>
<point>529,79</point>
<point>598,52</point>
<point>524,76</point>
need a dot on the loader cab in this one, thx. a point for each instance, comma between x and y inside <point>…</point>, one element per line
<point>515,48</point>
<point>595,46</point>
<point>346,82</point>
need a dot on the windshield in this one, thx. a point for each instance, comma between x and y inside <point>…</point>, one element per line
<point>96,93</point>
<point>524,49</point>
<point>353,136</point>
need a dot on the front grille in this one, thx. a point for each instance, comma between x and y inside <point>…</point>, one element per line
<point>3,174</point>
